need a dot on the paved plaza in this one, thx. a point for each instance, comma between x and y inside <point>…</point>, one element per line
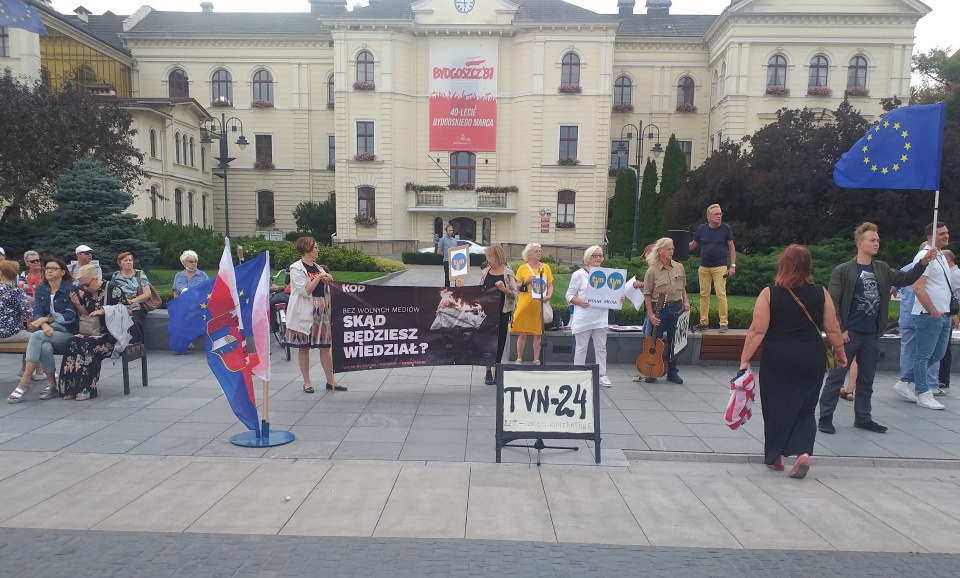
<point>401,468</point>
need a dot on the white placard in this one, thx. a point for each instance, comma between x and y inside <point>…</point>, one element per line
<point>459,261</point>
<point>548,401</point>
<point>605,287</point>
<point>683,332</point>
<point>634,295</point>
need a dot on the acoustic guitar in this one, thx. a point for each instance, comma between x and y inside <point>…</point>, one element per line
<point>652,361</point>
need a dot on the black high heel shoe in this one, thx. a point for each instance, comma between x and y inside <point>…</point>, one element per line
<point>338,388</point>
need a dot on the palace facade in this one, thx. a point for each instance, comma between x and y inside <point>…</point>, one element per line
<point>504,117</point>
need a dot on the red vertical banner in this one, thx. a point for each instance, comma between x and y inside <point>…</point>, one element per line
<point>463,99</point>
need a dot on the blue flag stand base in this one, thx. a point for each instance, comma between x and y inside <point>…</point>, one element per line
<point>263,438</point>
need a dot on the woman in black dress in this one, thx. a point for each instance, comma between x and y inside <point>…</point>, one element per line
<point>498,274</point>
<point>793,360</point>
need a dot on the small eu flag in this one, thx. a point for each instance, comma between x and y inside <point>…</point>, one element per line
<point>20,14</point>
<point>901,151</point>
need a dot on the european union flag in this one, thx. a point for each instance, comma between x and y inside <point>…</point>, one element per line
<point>19,14</point>
<point>901,151</point>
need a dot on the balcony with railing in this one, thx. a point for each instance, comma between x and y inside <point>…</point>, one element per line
<point>460,198</point>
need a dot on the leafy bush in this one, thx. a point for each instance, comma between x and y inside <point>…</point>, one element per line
<point>388,265</point>
<point>555,266</point>
<point>173,240</point>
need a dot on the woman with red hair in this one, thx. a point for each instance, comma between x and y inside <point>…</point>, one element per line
<point>787,320</point>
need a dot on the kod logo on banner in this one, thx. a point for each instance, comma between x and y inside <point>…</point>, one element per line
<point>459,262</point>
<point>615,281</point>
<point>598,279</point>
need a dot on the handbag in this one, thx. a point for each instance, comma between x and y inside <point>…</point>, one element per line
<point>153,301</point>
<point>954,304</point>
<point>547,313</point>
<point>831,360</point>
<point>89,325</point>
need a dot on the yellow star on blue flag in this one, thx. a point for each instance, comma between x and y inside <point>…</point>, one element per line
<point>917,129</point>
<point>20,14</point>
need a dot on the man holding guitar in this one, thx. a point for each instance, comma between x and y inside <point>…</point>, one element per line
<point>665,278</point>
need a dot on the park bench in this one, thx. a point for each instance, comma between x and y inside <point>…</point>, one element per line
<point>716,346</point>
<point>133,352</point>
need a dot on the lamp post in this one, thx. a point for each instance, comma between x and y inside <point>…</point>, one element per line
<point>622,150</point>
<point>218,130</point>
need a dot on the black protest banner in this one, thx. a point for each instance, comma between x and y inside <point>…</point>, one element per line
<point>378,327</point>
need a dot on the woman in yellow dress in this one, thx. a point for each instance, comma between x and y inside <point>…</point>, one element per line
<point>527,319</point>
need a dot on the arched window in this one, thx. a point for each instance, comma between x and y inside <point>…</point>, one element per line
<point>265,214</point>
<point>776,71</point>
<point>463,168</point>
<point>153,144</point>
<point>330,92</point>
<point>622,91</point>
<point>183,141</point>
<point>84,76</point>
<point>366,202</point>
<point>857,73</point>
<point>190,208</point>
<point>570,69</point>
<point>176,147</point>
<point>154,194</point>
<point>686,88</point>
<point>178,85</point>
<point>566,204</point>
<point>818,71</point>
<point>263,86</point>
<point>221,87</point>
<point>485,232</point>
<point>364,66</point>
<point>178,206</point>
<point>192,152</point>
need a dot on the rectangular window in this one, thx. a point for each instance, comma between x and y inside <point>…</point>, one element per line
<point>4,41</point>
<point>366,206</point>
<point>463,168</point>
<point>619,154</point>
<point>331,150</point>
<point>566,203</point>
<point>264,143</point>
<point>687,147</point>
<point>568,142</point>
<point>365,137</point>
<point>203,206</point>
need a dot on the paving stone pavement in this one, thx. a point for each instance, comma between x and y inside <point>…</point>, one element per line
<point>70,554</point>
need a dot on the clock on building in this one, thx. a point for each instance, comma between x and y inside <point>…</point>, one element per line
<point>463,5</point>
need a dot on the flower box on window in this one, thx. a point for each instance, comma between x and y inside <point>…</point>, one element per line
<point>566,225</point>
<point>570,88</point>
<point>686,107</point>
<point>778,90</point>
<point>623,107</point>
<point>568,162</point>
<point>505,189</point>
<point>221,102</point>
<point>462,186</point>
<point>331,166</point>
<point>819,91</point>
<point>364,157</point>
<point>263,165</point>
<point>857,91</point>
<point>330,105</point>
<point>424,188</point>
<point>261,104</point>
<point>615,172</point>
<point>365,221</point>
<point>364,85</point>
<point>264,222</point>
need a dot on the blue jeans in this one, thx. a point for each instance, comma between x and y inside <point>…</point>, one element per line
<point>40,348</point>
<point>908,350</point>
<point>667,330</point>
<point>933,337</point>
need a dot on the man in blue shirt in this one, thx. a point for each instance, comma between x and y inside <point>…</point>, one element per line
<point>448,241</point>
<point>715,239</point>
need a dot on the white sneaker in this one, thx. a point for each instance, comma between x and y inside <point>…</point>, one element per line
<point>905,388</point>
<point>926,400</point>
<point>605,381</point>
<point>39,377</point>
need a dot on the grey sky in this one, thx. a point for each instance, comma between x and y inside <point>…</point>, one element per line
<point>935,30</point>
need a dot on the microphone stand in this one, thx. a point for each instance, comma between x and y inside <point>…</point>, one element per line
<point>543,333</point>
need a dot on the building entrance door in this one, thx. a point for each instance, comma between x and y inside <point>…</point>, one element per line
<point>465,227</point>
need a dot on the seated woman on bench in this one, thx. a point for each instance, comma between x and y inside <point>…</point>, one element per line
<point>56,316</point>
<point>84,353</point>
<point>15,308</point>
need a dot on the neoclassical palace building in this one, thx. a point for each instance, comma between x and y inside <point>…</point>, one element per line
<point>505,117</point>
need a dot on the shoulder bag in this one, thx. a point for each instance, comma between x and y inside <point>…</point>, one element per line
<point>90,325</point>
<point>153,301</point>
<point>831,361</point>
<point>954,304</point>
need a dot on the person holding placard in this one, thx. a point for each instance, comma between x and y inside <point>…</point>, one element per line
<point>535,283</point>
<point>444,245</point>
<point>665,277</point>
<point>589,322</point>
<point>499,275</point>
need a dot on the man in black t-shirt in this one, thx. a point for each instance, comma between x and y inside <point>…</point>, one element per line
<point>715,239</point>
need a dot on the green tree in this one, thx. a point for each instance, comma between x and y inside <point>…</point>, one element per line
<point>317,218</point>
<point>674,169</point>
<point>649,221</point>
<point>622,208</point>
<point>90,210</point>
<point>42,135</point>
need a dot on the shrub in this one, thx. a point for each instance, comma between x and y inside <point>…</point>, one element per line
<point>282,253</point>
<point>388,265</point>
<point>555,266</point>
<point>173,240</point>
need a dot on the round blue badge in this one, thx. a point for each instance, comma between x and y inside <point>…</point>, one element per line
<point>615,281</point>
<point>597,279</point>
<point>459,262</point>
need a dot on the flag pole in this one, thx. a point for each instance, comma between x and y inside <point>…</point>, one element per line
<point>936,210</point>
